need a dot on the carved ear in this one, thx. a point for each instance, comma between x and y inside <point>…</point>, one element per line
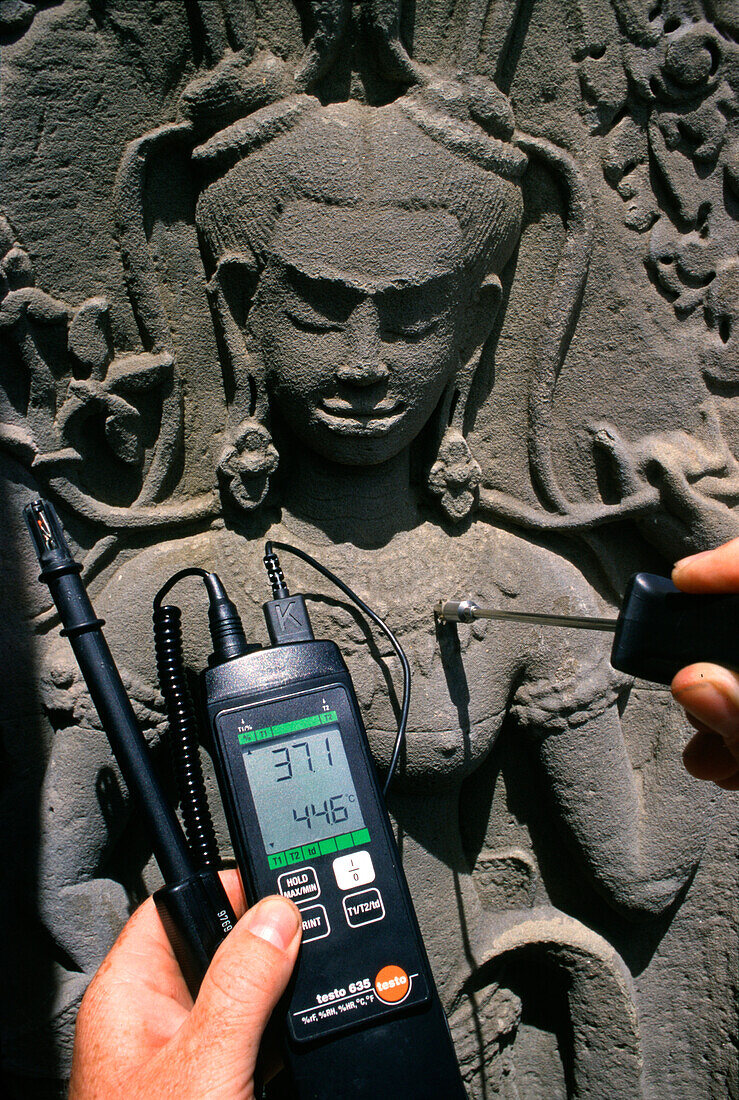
<point>231,293</point>
<point>482,313</point>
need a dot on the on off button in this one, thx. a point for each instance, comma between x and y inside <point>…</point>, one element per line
<point>353,870</point>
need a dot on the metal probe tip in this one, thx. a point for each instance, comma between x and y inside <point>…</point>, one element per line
<point>47,534</point>
<point>467,611</point>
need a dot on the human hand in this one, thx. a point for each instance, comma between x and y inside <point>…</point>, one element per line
<point>710,693</point>
<point>139,1036</point>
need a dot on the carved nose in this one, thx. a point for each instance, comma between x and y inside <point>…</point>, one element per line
<point>363,374</point>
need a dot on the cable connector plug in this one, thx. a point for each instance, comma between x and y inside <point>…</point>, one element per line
<point>286,616</point>
<point>226,631</point>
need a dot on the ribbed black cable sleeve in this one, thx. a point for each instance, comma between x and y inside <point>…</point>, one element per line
<point>183,737</point>
<point>274,573</point>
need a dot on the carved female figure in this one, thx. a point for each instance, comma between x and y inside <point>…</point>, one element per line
<point>354,258</point>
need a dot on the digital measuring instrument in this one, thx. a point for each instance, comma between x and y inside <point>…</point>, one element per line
<point>308,820</point>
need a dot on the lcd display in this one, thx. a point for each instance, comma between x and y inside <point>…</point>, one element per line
<point>302,788</point>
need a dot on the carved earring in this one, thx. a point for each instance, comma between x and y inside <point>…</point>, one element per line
<point>246,465</point>
<point>456,474</point>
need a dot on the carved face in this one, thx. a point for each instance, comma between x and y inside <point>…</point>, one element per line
<point>356,322</point>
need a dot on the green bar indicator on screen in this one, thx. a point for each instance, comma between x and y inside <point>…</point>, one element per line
<point>304,723</point>
<point>248,737</point>
<point>318,848</point>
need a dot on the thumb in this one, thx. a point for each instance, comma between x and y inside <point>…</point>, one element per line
<point>218,1043</point>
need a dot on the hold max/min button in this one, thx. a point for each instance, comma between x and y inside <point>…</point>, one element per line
<point>315,923</point>
<point>299,886</point>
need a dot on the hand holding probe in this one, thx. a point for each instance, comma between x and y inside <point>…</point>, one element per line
<point>192,905</point>
<point>658,631</point>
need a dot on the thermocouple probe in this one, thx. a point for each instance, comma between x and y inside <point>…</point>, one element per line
<point>658,631</point>
<point>192,905</point>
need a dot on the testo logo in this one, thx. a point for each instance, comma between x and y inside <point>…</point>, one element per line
<point>392,984</point>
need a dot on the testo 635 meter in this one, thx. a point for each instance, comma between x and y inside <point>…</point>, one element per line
<point>308,820</point>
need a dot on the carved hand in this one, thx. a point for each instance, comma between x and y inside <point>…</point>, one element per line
<point>697,480</point>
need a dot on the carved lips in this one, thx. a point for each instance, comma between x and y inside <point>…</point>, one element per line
<point>376,419</point>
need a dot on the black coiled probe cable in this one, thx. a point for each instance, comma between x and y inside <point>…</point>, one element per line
<point>183,726</point>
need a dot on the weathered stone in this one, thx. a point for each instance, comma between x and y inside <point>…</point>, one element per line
<point>448,296</point>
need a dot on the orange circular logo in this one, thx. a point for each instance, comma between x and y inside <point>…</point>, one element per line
<point>392,984</point>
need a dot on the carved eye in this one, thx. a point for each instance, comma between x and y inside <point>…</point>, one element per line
<point>312,323</point>
<point>410,332</point>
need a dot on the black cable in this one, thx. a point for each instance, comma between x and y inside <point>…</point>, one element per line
<point>403,721</point>
<point>191,571</point>
<point>183,727</point>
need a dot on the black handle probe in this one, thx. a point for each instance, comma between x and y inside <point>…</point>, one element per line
<point>193,905</point>
<point>659,629</point>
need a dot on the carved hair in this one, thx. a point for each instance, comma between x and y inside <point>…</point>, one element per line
<point>411,154</point>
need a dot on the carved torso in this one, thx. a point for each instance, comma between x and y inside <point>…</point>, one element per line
<point>465,679</point>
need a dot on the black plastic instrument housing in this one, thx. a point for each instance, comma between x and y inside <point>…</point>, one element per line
<point>661,629</point>
<point>348,1031</point>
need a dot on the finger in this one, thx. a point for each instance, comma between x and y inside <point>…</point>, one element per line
<point>696,724</point>
<point>232,884</point>
<point>711,571</point>
<point>217,1046</point>
<point>710,694</point>
<point>706,757</point>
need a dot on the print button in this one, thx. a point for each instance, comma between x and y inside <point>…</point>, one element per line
<point>315,923</point>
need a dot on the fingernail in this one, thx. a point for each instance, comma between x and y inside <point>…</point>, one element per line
<point>680,565</point>
<point>274,920</point>
<point>713,700</point>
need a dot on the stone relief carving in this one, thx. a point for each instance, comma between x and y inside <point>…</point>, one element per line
<point>355,218</point>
